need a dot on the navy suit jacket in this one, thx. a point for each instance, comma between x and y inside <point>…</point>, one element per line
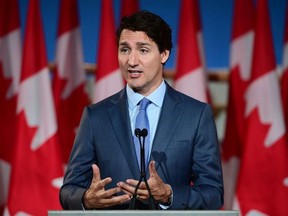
<point>185,149</point>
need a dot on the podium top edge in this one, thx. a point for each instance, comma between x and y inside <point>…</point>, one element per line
<point>145,212</point>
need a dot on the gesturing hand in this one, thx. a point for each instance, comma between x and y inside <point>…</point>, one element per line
<point>159,190</point>
<point>96,197</point>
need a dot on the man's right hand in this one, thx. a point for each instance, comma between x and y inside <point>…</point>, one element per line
<point>96,197</point>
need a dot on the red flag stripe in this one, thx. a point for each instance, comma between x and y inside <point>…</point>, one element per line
<point>190,77</point>
<point>284,77</point>
<point>128,7</point>
<point>241,59</point>
<point>68,18</point>
<point>69,80</point>
<point>240,73</point>
<point>265,148</point>
<point>10,64</point>
<point>33,39</point>
<point>36,167</point>
<point>188,40</point>
<point>107,53</point>
<point>9,16</point>
<point>108,76</point>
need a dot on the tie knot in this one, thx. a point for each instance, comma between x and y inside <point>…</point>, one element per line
<point>144,103</point>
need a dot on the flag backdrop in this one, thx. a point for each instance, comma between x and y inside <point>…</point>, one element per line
<point>108,76</point>
<point>263,176</point>
<point>10,65</point>
<point>128,7</point>
<point>240,73</point>
<point>69,76</point>
<point>35,161</point>
<point>190,77</point>
<point>284,77</point>
<point>36,168</point>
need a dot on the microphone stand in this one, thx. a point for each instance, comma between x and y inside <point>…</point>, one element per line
<point>139,134</point>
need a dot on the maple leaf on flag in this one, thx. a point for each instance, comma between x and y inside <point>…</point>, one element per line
<point>239,78</point>
<point>69,77</point>
<point>264,163</point>
<point>36,164</point>
<point>10,63</point>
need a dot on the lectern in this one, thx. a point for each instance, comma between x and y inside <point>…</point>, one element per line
<point>144,213</point>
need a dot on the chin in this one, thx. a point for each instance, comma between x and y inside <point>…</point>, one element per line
<point>134,83</point>
<point>136,88</point>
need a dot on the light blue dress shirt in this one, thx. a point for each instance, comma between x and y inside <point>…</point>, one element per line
<point>153,113</point>
<point>153,110</point>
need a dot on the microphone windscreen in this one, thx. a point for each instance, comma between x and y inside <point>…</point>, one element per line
<point>137,132</point>
<point>144,132</point>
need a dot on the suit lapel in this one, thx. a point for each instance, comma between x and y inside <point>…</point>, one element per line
<point>169,119</point>
<point>171,113</point>
<point>120,120</point>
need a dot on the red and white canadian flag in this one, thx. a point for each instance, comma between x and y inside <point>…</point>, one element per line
<point>190,77</point>
<point>36,171</point>
<point>10,66</point>
<point>128,7</point>
<point>240,73</point>
<point>108,76</point>
<point>263,178</point>
<point>69,77</point>
<point>284,77</point>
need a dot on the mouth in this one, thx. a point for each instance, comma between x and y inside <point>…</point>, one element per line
<point>135,73</point>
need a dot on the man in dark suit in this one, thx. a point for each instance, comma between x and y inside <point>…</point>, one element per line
<point>184,170</point>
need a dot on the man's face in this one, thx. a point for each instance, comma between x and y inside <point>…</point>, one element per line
<point>140,61</point>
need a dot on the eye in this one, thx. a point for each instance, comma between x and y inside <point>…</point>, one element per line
<point>124,50</point>
<point>144,50</point>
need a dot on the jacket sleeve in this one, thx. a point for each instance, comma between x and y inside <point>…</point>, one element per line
<point>79,172</point>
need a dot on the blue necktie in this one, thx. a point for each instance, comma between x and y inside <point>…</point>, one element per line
<point>142,122</point>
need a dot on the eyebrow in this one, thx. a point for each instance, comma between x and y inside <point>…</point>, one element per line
<point>123,43</point>
<point>138,44</point>
<point>143,44</point>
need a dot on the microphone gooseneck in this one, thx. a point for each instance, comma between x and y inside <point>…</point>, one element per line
<point>142,133</point>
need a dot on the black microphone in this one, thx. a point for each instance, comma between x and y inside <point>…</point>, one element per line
<point>138,132</point>
<point>142,133</point>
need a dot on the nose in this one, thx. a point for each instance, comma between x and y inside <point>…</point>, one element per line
<point>133,59</point>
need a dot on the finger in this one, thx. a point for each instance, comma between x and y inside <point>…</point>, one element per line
<point>115,200</point>
<point>132,182</point>
<point>111,192</point>
<point>126,192</point>
<point>97,183</point>
<point>142,186</point>
<point>152,169</point>
<point>142,197</point>
<point>96,173</point>
<point>126,188</point>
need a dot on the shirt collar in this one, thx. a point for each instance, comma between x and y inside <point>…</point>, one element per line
<point>156,97</point>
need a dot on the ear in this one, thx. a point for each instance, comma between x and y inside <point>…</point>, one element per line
<point>164,56</point>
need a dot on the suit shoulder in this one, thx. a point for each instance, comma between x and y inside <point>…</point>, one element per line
<point>187,99</point>
<point>107,102</point>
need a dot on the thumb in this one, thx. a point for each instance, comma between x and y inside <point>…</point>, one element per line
<point>152,169</point>
<point>96,173</point>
